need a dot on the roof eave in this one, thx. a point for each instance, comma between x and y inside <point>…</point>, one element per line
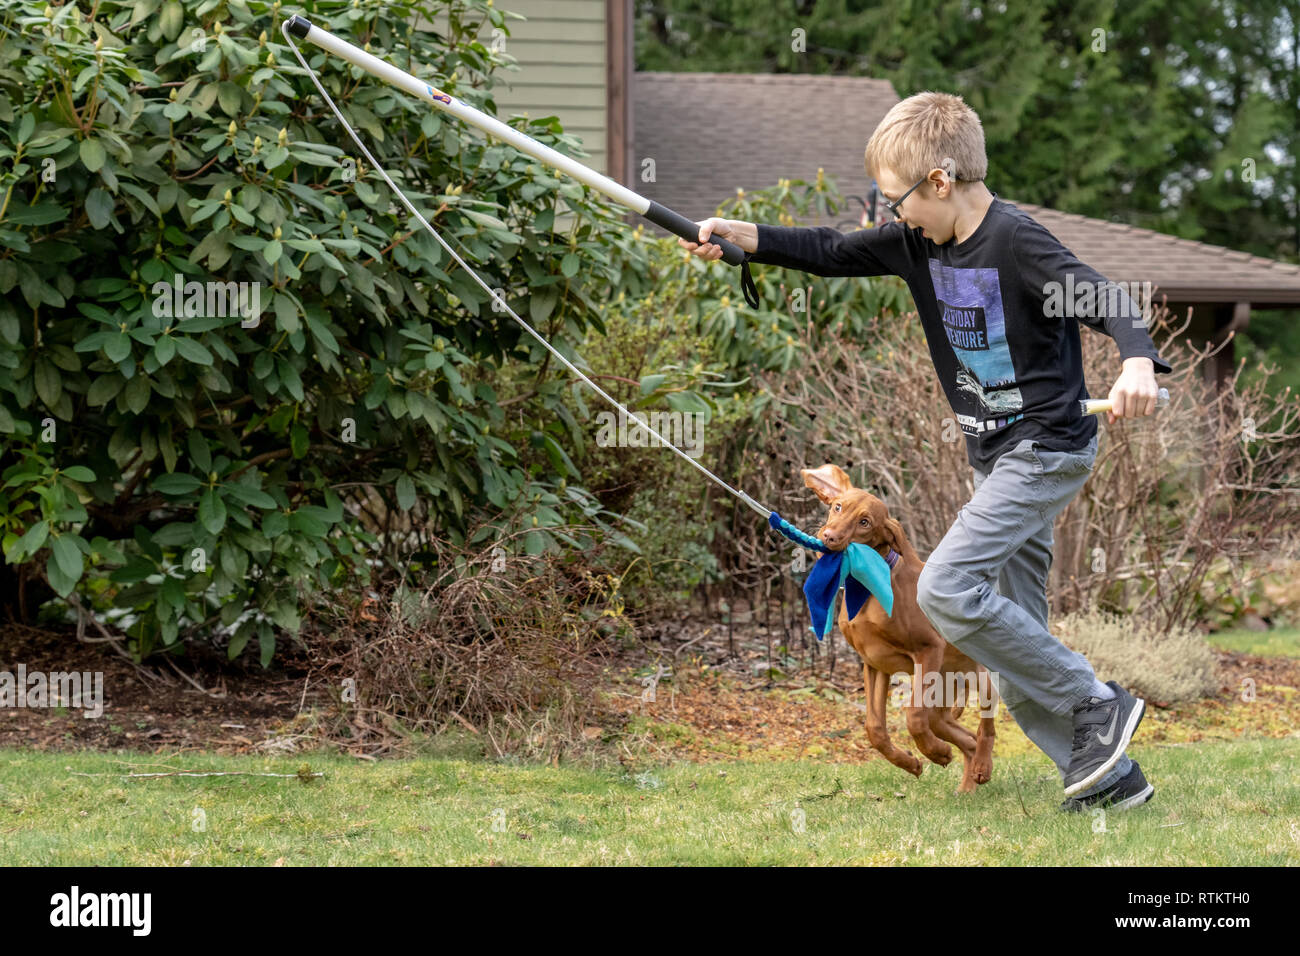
<point>1276,298</point>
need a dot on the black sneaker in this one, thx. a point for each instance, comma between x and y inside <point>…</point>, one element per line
<point>1127,792</point>
<point>1102,731</point>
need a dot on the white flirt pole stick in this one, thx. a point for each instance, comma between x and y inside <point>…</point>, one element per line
<point>298,30</point>
<point>1094,406</point>
<point>660,215</point>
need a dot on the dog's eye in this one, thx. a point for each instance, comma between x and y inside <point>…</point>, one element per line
<point>864,522</point>
<point>837,507</point>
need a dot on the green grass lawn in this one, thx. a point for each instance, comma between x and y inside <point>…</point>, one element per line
<point>1221,803</point>
<point>1282,642</point>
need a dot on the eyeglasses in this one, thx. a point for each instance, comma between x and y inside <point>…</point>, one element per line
<point>891,208</point>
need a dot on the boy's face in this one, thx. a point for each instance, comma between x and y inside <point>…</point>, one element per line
<point>926,207</point>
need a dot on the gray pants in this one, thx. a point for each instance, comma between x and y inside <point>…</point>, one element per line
<point>1002,539</point>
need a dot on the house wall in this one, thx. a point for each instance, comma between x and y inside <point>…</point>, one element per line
<point>575,62</point>
<point>561,49</point>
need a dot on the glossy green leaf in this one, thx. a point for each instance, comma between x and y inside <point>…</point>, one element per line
<point>67,555</point>
<point>212,511</point>
<point>92,154</point>
<point>405,493</point>
<point>299,440</point>
<point>192,351</point>
<point>118,347</point>
<point>99,207</point>
<point>177,484</point>
<point>34,539</point>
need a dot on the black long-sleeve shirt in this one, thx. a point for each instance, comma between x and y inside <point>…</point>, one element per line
<point>1001,314</point>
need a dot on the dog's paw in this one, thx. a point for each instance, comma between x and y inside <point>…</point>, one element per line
<point>941,757</point>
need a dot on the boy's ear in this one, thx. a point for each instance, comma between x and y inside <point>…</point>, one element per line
<point>828,482</point>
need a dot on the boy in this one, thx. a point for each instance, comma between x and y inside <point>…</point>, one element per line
<point>987,281</point>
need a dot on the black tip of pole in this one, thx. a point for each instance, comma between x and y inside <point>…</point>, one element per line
<point>299,26</point>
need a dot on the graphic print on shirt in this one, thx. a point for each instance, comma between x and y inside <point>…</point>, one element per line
<point>970,308</point>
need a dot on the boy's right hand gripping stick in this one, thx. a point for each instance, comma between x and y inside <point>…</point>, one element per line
<point>1094,406</point>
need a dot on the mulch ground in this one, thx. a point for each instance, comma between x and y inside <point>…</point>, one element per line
<point>720,697</point>
<point>152,708</point>
<point>721,705</point>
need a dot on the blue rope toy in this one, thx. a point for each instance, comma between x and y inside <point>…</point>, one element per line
<point>858,569</point>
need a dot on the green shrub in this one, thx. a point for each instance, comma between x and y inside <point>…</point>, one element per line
<point>194,471</point>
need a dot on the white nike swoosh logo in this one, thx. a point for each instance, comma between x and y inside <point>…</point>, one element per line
<point>1110,734</point>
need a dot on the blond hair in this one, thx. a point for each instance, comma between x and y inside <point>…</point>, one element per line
<point>923,131</point>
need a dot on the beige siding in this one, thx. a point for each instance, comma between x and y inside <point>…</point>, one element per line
<point>560,53</point>
<point>570,30</point>
<point>533,96</point>
<point>560,49</point>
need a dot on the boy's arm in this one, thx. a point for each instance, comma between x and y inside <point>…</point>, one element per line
<point>823,251</point>
<point>1068,288</point>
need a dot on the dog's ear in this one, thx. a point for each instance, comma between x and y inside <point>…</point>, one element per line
<point>892,533</point>
<point>828,482</point>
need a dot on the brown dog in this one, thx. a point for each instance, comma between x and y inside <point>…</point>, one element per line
<point>905,641</point>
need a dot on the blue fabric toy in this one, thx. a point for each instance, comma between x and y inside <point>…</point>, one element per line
<point>858,569</point>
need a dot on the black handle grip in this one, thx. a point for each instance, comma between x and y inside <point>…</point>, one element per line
<point>732,254</point>
<point>299,26</point>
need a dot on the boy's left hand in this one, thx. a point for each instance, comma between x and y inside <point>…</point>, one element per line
<point>1134,392</point>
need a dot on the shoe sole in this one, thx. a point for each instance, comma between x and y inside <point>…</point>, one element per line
<point>1102,769</point>
<point>1136,800</point>
<point>1126,804</point>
